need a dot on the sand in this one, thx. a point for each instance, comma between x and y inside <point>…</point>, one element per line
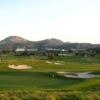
<point>48,62</point>
<point>56,63</point>
<point>19,67</point>
<point>78,75</point>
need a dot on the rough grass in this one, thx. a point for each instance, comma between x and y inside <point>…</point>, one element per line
<point>49,95</point>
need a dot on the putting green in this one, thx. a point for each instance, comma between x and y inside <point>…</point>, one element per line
<point>34,80</point>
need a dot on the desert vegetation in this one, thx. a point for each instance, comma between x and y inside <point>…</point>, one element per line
<point>49,95</point>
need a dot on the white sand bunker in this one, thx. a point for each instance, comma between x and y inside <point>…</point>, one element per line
<point>56,63</point>
<point>19,67</point>
<point>49,62</point>
<point>78,75</point>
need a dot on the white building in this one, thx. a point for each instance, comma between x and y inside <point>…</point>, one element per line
<point>24,49</point>
<point>20,50</point>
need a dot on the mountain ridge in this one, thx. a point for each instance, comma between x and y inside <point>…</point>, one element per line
<point>17,41</point>
<point>13,39</point>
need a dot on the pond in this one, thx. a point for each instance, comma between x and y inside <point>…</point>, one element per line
<point>78,74</point>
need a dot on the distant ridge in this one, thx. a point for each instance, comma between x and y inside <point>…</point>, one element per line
<point>14,39</point>
<point>13,42</point>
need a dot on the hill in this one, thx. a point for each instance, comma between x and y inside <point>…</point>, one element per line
<point>13,39</point>
<point>13,42</point>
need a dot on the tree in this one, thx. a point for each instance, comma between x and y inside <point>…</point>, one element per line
<point>51,56</point>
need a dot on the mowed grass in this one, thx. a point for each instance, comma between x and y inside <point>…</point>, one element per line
<point>40,76</point>
<point>33,80</point>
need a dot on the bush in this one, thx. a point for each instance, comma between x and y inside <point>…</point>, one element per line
<point>3,97</point>
<point>32,97</point>
<point>50,98</point>
<point>14,98</point>
<point>89,98</point>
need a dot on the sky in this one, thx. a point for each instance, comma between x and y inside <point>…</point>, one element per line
<point>67,20</point>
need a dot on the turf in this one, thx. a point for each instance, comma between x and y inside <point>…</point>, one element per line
<point>40,76</point>
<point>33,80</point>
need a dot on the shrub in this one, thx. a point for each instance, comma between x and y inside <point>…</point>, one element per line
<point>75,96</point>
<point>32,97</point>
<point>14,98</point>
<point>50,98</point>
<point>3,97</point>
<point>89,98</point>
<point>96,97</point>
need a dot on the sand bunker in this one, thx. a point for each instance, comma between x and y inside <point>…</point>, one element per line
<point>48,62</point>
<point>56,63</point>
<point>78,75</point>
<point>19,67</point>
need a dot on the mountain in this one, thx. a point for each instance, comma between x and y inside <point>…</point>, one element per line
<point>13,39</point>
<point>13,42</point>
<point>52,41</point>
<point>78,46</point>
<point>49,43</point>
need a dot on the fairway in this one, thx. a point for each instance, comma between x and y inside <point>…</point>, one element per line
<point>43,74</point>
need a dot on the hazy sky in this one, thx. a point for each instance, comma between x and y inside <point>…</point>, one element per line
<point>68,20</point>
